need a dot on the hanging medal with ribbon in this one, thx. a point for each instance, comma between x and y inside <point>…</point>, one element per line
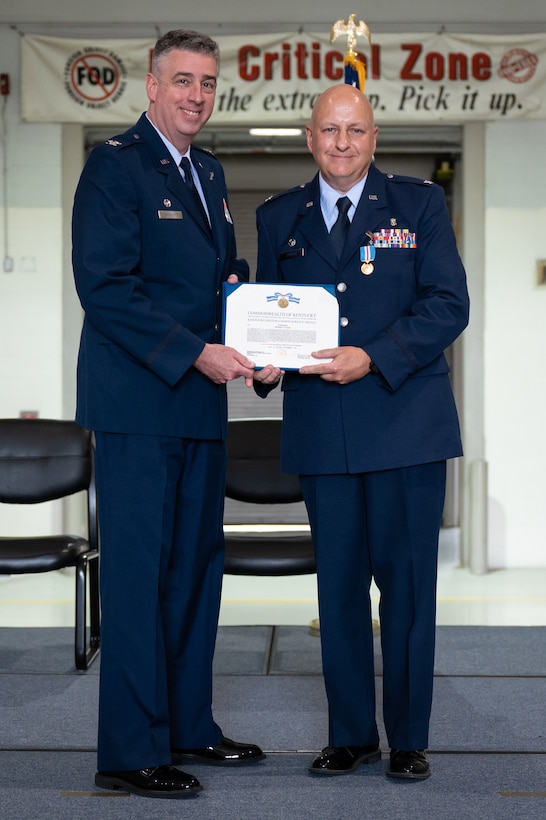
<point>367,255</point>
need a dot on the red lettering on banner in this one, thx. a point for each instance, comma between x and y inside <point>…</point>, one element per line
<point>373,71</point>
<point>301,55</point>
<point>330,60</point>
<point>286,61</point>
<point>295,60</point>
<point>407,73</point>
<point>298,61</point>
<point>245,72</point>
<point>450,66</point>
<point>481,66</point>
<point>315,61</point>
<point>434,65</point>
<point>270,58</point>
<point>458,67</point>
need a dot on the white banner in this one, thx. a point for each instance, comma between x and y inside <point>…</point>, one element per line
<point>274,79</point>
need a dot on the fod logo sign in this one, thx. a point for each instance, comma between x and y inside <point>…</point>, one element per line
<point>95,78</point>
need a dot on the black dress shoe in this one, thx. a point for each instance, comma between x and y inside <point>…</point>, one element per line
<point>160,781</point>
<point>226,753</point>
<point>344,759</point>
<point>412,765</point>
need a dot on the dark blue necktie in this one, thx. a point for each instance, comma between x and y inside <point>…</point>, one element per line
<point>188,179</point>
<point>341,226</point>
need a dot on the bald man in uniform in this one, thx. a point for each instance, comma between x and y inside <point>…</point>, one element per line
<point>370,425</point>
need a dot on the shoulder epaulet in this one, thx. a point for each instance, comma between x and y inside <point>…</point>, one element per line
<point>122,140</point>
<point>288,191</point>
<point>412,180</point>
<point>203,150</point>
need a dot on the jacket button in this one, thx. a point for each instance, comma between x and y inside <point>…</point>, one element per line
<point>343,321</point>
<point>341,287</point>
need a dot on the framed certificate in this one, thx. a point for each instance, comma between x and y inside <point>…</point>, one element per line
<point>280,324</point>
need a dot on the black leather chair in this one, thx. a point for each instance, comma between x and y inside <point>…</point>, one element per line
<point>42,460</point>
<point>254,476</point>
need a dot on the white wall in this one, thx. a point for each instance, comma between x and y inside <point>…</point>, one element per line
<point>515,342</point>
<point>31,294</point>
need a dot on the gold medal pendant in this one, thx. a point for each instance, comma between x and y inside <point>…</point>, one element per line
<point>367,255</point>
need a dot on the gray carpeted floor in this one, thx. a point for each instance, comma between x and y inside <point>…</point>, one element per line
<point>487,748</point>
<point>290,650</point>
<point>35,786</point>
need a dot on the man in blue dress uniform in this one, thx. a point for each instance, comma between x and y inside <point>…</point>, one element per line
<point>369,426</point>
<point>152,243</point>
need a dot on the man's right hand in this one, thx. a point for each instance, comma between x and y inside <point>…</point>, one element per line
<point>221,364</point>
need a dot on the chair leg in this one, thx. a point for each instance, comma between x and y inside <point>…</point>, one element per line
<point>94,602</point>
<point>86,653</point>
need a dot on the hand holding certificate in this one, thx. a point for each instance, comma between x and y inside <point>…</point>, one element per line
<point>280,324</point>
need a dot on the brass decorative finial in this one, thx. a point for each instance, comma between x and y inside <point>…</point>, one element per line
<point>350,30</point>
<point>355,68</point>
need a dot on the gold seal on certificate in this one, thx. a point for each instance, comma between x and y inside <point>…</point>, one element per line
<point>280,324</point>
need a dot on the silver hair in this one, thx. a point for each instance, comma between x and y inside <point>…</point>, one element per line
<point>184,40</point>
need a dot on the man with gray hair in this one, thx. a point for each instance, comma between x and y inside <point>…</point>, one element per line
<point>153,241</point>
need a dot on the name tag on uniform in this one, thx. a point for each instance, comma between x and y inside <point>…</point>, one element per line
<point>170,215</point>
<point>292,254</point>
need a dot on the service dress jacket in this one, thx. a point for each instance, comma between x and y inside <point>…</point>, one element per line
<point>148,273</point>
<point>405,313</point>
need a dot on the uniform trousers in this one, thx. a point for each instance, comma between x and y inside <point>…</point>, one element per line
<point>381,525</point>
<point>160,502</point>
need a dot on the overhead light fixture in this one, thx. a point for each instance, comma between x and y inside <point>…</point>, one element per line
<point>276,132</point>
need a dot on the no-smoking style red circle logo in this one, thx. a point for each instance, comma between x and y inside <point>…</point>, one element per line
<point>95,76</point>
<point>518,65</point>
